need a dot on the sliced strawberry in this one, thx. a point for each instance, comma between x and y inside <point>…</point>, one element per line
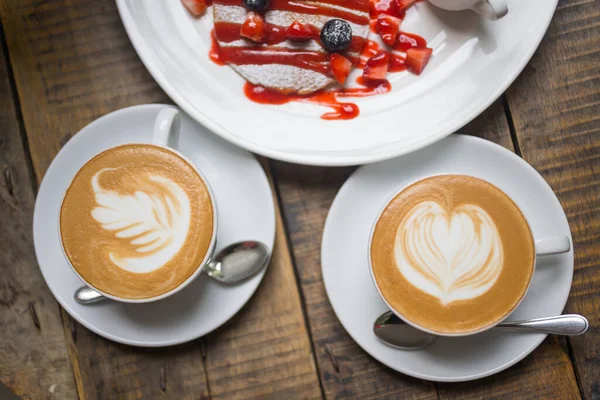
<point>383,7</point>
<point>298,32</point>
<point>340,66</point>
<point>402,5</point>
<point>196,7</point>
<point>388,28</point>
<point>407,40</point>
<point>396,63</point>
<point>377,66</point>
<point>253,27</point>
<point>417,59</point>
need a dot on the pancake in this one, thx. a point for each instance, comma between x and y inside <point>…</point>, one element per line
<point>283,65</point>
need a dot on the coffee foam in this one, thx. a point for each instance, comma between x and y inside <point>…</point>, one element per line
<point>136,221</point>
<point>155,220</point>
<point>452,253</point>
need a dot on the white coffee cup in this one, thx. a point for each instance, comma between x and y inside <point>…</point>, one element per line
<point>543,246</point>
<point>490,9</point>
<point>165,135</point>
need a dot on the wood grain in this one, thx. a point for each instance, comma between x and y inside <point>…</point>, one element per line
<point>491,125</point>
<point>73,63</point>
<point>545,374</point>
<point>555,105</point>
<point>268,340</point>
<point>347,371</point>
<point>34,362</point>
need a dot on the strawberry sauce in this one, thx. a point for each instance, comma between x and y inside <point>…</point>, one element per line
<point>302,7</point>
<point>229,32</point>
<point>328,98</point>
<point>318,61</point>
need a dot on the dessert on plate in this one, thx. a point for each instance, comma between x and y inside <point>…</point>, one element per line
<point>304,50</point>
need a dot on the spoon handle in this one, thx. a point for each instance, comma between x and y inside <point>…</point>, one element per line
<point>86,295</point>
<point>568,324</point>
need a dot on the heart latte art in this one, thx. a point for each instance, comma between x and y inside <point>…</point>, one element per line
<point>452,254</point>
<point>155,223</point>
<point>137,221</point>
<point>449,254</point>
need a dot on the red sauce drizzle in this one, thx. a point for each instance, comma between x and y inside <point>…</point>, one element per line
<point>385,7</point>
<point>328,98</point>
<point>314,60</point>
<point>229,32</point>
<point>311,60</point>
<point>396,63</point>
<point>407,40</point>
<point>300,6</point>
<point>214,52</point>
<point>357,5</point>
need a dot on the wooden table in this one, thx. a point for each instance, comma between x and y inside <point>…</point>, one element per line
<point>64,63</point>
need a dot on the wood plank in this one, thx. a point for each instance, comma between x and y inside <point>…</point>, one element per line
<point>272,358</point>
<point>73,63</point>
<point>545,374</point>
<point>555,106</point>
<point>346,371</point>
<point>47,82</point>
<point>491,125</point>
<point>33,353</point>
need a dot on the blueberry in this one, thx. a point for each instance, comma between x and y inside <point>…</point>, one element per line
<point>256,5</point>
<point>336,35</point>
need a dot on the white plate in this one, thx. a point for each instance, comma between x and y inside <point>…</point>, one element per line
<point>474,61</point>
<point>246,211</point>
<point>345,250</point>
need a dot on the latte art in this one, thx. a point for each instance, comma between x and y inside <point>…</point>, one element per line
<point>452,254</point>
<point>449,254</point>
<point>137,221</point>
<point>154,223</point>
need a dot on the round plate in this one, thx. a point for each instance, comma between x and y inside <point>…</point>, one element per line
<point>474,61</point>
<point>345,257</point>
<point>245,211</point>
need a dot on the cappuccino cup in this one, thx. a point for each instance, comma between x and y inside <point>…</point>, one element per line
<point>490,9</point>
<point>453,255</point>
<point>139,221</point>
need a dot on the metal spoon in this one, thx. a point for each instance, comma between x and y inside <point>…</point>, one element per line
<point>231,265</point>
<point>396,333</point>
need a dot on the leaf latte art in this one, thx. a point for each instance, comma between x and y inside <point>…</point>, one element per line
<point>153,222</point>
<point>453,255</point>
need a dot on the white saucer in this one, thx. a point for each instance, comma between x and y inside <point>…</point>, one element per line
<point>246,211</point>
<point>355,299</point>
<point>474,62</point>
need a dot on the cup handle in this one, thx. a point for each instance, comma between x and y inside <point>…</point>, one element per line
<point>552,245</point>
<point>491,9</point>
<point>166,127</point>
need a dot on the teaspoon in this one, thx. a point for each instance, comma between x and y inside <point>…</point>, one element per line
<point>231,265</point>
<point>396,333</point>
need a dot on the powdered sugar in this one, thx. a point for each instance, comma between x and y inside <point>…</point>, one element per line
<point>286,78</point>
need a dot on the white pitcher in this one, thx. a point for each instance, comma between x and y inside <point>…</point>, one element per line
<point>491,9</point>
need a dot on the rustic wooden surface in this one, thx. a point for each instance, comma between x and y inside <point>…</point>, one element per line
<point>64,63</point>
<point>555,106</point>
<point>34,360</point>
<point>92,70</point>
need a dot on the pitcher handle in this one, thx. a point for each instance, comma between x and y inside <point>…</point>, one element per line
<point>491,9</point>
